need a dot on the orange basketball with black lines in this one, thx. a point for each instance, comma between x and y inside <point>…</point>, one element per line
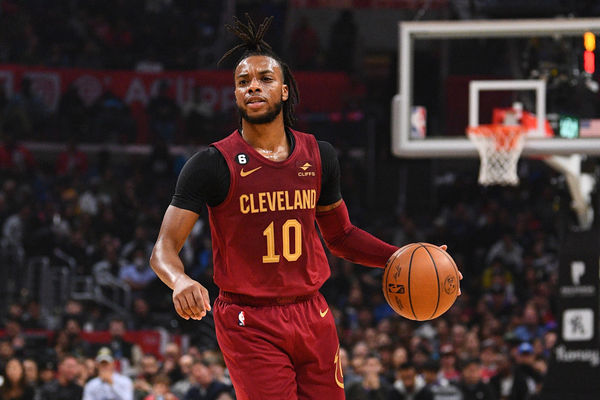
<point>420,281</point>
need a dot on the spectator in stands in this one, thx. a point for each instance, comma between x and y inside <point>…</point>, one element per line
<point>112,121</point>
<point>508,383</point>
<point>148,370</point>
<point>471,384</point>
<point>205,386</point>
<point>181,387</point>
<point>73,309</point>
<point>72,343</point>
<point>342,42</point>
<point>225,394</point>
<point>436,388</point>
<point>66,385</point>
<point>33,318</point>
<point>372,384</point>
<point>163,113</point>
<point>170,362</point>
<point>160,389</point>
<point>160,163</point>
<point>508,251</point>
<point>526,365</point>
<point>15,159</point>
<point>106,271</point>
<point>71,161</point>
<point>72,114</point>
<point>137,273</point>
<point>408,385</point>
<point>88,370</point>
<point>124,351</point>
<point>140,241</point>
<point>496,274</point>
<point>448,369</point>
<point>530,328</point>
<point>14,333</point>
<point>304,45</point>
<point>217,366</point>
<point>488,359</point>
<point>109,384</point>
<point>15,385</point>
<point>16,227</point>
<point>26,110</point>
<point>32,376</point>
<point>47,371</point>
<point>142,317</point>
<point>498,303</point>
<point>198,114</point>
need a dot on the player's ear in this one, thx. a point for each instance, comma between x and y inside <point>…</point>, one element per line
<point>284,92</point>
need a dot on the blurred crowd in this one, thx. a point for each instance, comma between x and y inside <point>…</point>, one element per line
<point>140,34</point>
<point>99,214</point>
<point>96,216</point>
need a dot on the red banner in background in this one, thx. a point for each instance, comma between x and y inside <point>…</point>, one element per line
<point>319,91</point>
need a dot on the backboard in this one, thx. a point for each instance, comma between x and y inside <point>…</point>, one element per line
<point>454,74</point>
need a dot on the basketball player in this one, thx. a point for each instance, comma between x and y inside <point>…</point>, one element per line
<point>265,185</point>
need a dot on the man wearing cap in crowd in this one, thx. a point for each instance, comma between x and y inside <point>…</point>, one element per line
<point>525,365</point>
<point>109,384</point>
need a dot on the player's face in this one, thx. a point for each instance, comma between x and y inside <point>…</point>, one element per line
<point>259,89</point>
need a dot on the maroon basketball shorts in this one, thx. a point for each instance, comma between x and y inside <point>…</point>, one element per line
<point>287,352</point>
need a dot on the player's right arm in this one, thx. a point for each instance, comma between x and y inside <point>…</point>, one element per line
<point>203,180</point>
<point>190,298</point>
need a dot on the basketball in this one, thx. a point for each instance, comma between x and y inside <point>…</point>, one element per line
<point>420,281</point>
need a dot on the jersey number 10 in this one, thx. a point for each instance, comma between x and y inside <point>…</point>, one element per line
<point>288,226</point>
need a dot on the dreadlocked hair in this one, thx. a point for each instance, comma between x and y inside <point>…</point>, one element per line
<point>253,44</point>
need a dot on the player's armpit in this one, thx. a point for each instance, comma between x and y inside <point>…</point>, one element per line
<point>347,241</point>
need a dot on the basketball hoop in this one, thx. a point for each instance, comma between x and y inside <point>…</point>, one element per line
<point>499,148</point>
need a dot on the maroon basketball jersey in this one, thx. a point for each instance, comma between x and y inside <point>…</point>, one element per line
<point>264,238</point>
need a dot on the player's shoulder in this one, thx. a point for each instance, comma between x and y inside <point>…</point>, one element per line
<point>227,139</point>
<point>205,157</point>
<point>206,153</point>
<point>326,149</point>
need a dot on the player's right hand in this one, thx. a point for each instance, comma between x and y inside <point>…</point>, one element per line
<point>190,298</point>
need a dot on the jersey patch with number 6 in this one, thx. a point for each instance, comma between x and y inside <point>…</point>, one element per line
<point>241,159</point>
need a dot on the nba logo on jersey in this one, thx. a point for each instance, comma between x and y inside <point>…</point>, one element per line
<point>241,319</point>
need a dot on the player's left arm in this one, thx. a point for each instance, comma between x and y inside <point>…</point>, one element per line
<point>341,236</point>
<point>349,242</point>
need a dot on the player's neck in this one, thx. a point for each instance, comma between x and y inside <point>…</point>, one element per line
<point>268,139</point>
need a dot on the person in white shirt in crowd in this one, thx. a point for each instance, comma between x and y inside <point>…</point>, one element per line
<point>109,384</point>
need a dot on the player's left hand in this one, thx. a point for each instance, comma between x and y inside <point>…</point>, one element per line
<point>460,276</point>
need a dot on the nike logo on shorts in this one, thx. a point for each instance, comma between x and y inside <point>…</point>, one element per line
<point>246,173</point>
<point>323,313</point>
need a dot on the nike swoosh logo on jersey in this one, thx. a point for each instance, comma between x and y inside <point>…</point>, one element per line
<point>246,173</point>
<point>323,313</point>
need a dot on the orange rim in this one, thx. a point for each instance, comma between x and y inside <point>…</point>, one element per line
<point>507,137</point>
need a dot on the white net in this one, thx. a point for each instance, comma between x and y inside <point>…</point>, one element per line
<point>499,148</point>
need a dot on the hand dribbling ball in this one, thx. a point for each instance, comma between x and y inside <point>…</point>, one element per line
<point>420,281</point>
